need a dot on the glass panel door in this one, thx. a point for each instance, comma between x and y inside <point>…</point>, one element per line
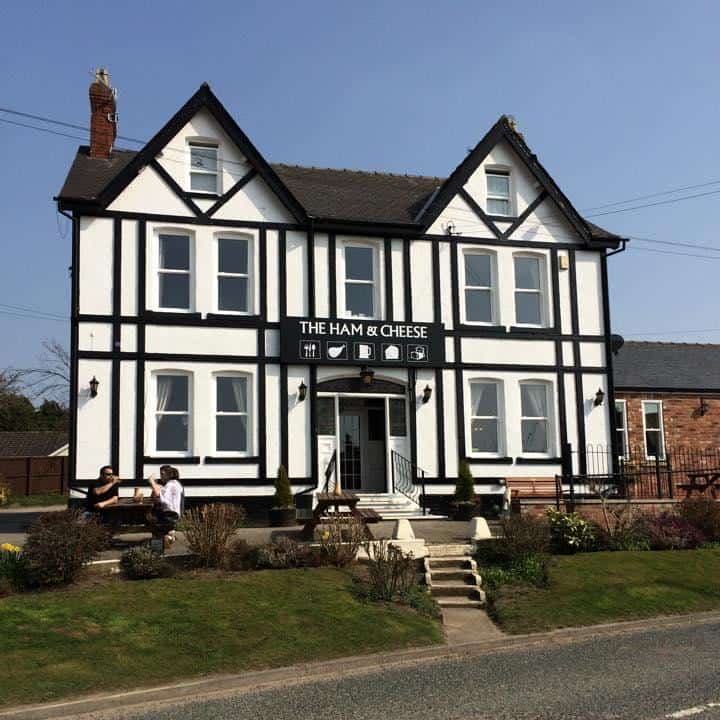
<point>350,451</point>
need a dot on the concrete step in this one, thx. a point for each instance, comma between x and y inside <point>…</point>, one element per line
<point>457,602</point>
<point>440,575</point>
<point>461,562</point>
<point>450,550</point>
<point>456,589</point>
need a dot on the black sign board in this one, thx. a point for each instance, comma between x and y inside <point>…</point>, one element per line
<point>361,342</point>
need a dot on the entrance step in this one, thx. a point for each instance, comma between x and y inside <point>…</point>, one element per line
<point>450,550</point>
<point>391,506</point>
<point>451,576</point>
<point>460,603</point>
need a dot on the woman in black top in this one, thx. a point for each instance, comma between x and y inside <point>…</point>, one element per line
<point>104,494</point>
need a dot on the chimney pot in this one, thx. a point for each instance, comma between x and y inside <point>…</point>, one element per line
<point>103,117</point>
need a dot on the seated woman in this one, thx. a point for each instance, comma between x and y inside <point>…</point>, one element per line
<point>168,495</point>
<point>104,494</point>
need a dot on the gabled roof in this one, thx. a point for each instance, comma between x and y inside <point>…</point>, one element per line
<point>504,130</point>
<point>667,366</point>
<point>321,194</point>
<point>204,98</point>
<point>36,443</point>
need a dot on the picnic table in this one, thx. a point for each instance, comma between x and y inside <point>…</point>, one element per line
<point>127,512</point>
<point>701,481</point>
<point>327,501</point>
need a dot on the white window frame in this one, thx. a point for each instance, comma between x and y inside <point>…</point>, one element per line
<point>499,418</point>
<point>550,419</point>
<point>542,291</point>
<point>499,172</point>
<point>493,287</point>
<point>376,281</point>
<point>249,239</point>
<point>661,429</point>
<point>209,144</point>
<point>249,451</point>
<point>158,270</point>
<point>625,450</point>
<point>188,452</point>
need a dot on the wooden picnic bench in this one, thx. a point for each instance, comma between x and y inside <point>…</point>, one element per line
<point>709,480</point>
<point>127,512</point>
<point>324,509</point>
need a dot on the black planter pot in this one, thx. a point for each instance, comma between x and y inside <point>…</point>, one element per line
<point>464,511</point>
<point>282,517</point>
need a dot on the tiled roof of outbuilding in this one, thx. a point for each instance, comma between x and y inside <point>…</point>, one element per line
<point>667,366</point>
<point>36,443</point>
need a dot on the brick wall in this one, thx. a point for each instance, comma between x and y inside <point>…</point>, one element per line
<point>684,426</point>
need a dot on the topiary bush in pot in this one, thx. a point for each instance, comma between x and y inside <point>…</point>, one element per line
<point>282,513</point>
<point>464,503</point>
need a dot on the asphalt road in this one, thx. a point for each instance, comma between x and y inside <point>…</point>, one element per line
<point>658,673</point>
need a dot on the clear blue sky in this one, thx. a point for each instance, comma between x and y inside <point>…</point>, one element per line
<point>618,99</point>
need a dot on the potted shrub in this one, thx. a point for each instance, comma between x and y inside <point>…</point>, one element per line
<point>464,504</point>
<point>282,513</point>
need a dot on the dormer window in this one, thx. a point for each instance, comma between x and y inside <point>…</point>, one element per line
<point>498,192</point>
<point>203,167</point>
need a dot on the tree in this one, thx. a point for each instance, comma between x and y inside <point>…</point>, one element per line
<point>16,412</point>
<point>51,378</point>
<point>283,491</point>
<point>51,415</point>
<point>465,485</point>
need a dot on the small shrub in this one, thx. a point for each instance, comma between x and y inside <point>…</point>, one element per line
<point>209,530</point>
<point>144,563</point>
<point>58,545</point>
<point>283,491</point>
<point>340,540</point>
<point>239,555</point>
<point>12,569</point>
<point>668,531</point>
<point>628,531</point>
<point>569,532</point>
<point>703,514</point>
<point>282,553</point>
<point>522,536</point>
<point>4,491</point>
<point>391,573</point>
<point>422,602</point>
<point>529,569</point>
<point>465,485</point>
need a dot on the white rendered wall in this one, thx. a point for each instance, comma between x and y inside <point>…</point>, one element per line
<point>95,336</point>
<point>189,340</point>
<point>129,268</point>
<point>297,282</point>
<point>589,284</point>
<point>421,275</point>
<point>127,419</point>
<point>426,423</point>
<point>298,424</point>
<point>398,280</point>
<point>96,266</point>
<point>521,352</point>
<point>93,420</point>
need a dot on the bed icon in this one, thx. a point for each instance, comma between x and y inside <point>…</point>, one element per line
<point>418,353</point>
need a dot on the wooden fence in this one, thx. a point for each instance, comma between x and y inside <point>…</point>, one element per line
<point>35,475</point>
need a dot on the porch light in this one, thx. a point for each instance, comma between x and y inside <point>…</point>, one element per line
<point>302,391</point>
<point>94,383</point>
<point>599,397</point>
<point>703,407</point>
<point>366,375</point>
<point>427,393</point>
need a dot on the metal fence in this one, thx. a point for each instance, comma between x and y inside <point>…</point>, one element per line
<point>674,473</point>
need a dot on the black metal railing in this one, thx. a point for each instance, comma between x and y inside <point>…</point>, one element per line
<point>408,479</point>
<point>635,474</point>
<point>331,473</point>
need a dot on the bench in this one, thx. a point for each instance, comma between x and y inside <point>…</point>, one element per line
<point>533,488</point>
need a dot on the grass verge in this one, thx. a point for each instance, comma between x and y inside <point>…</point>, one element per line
<point>122,634</point>
<point>592,588</point>
<point>37,500</point>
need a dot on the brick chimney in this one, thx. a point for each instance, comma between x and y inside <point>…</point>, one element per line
<point>103,119</point>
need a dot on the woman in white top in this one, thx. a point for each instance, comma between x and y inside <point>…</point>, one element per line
<point>168,495</point>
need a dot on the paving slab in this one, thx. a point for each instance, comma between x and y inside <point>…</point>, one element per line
<point>468,625</point>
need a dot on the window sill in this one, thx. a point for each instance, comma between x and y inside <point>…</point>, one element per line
<point>502,218</point>
<point>230,460</point>
<point>172,460</point>
<point>201,195</point>
<point>489,460</point>
<point>499,329</point>
<point>172,314</point>
<point>542,460</point>
<point>533,329</point>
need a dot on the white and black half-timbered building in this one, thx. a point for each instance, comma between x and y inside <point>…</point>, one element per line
<point>239,315</point>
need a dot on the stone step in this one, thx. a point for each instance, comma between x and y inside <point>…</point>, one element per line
<point>450,550</point>
<point>440,575</point>
<point>458,602</point>
<point>451,561</point>
<point>456,589</point>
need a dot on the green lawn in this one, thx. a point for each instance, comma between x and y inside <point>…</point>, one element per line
<point>37,500</point>
<point>129,634</point>
<point>593,588</point>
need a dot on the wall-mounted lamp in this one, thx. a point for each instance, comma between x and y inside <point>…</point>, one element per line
<point>94,383</point>
<point>366,375</point>
<point>703,407</point>
<point>427,392</point>
<point>302,391</point>
<point>599,397</point>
